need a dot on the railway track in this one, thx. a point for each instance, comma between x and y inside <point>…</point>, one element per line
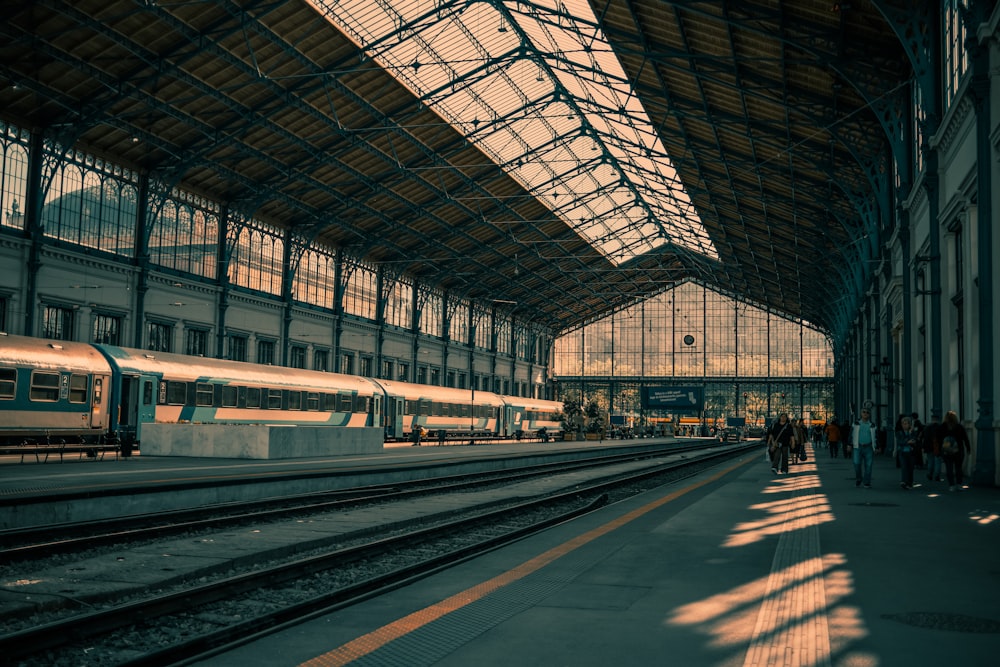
<point>196,621</point>
<point>45,541</point>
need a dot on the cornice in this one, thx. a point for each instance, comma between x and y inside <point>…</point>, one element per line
<point>953,124</point>
<point>89,261</point>
<point>917,196</point>
<point>165,280</point>
<point>254,300</point>
<point>8,241</point>
<point>313,314</point>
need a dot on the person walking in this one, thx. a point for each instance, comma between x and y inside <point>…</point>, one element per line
<point>883,438</point>
<point>833,438</point>
<point>779,440</point>
<point>918,426</point>
<point>954,446</point>
<point>907,442</point>
<point>799,444</point>
<point>863,436</point>
<point>930,441</point>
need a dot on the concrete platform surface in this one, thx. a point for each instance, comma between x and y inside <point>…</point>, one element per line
<point>738,567</point>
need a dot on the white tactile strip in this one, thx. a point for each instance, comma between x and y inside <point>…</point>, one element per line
<point>791,628</point>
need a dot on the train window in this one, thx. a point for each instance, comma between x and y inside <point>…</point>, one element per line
<point>295,400</point>
<point>329,402</point>
<point>345,403</point>
<point>230,396</point>
<point>361,404</point>
<point>204,394</point>
<point>273,399</point>
<point>44,386</point>
<point>8,382</point>
<point>78,388</point>
<point>147,393</point>
<point>253,397</point>
<point>176,393</point>
<point>312,401</point>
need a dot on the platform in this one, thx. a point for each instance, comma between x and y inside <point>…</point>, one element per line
<point>735,568</point>
<point>36,494</point>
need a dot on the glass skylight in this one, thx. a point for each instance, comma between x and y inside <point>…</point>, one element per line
<point>537,88</point>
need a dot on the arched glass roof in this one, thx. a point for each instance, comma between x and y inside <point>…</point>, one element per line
<point>545,97</point>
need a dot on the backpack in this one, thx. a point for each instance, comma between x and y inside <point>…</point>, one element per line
<point>949,446</point>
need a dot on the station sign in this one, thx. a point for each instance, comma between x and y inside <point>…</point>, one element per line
<point>678,399</point>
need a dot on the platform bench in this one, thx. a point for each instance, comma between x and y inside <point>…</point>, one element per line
<point>42,450</point>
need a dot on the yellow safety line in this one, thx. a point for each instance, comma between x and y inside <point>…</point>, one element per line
<point>376,639</point>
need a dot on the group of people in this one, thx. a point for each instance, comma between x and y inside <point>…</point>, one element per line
<point>931,447</point>
<point>939,444</point>
<point>786,441</point>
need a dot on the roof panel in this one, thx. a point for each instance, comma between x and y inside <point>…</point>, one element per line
<point>731,139</point>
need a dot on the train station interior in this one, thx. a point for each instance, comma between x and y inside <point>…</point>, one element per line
<point>787,206</point>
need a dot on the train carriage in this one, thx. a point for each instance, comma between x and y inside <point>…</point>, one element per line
<point>174,388</point>
<point>85,393</point>
<point>434,409</point>
<point>52,390</point>
<point>531,416</point>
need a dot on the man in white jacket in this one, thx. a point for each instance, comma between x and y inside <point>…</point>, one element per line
<point>863,436</point>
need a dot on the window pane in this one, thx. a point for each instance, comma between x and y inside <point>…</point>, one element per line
<point>78,388</point>
<point>197,342</point>
<point>8,382</point>
<point>185,235</point>
<point>253,397</point>
<point>176,393</point>
<point>257,257</point>
<point>229,396</point>
<point>273,399</point>
<point>57,323</point>
<point>160,337</point>
<point>107,329</point>
<point>204,394</point>
<point>44,386</point>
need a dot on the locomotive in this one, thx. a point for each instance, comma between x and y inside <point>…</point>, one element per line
<point>95,393</point>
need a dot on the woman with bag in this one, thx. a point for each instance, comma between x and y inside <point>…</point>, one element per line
<point>779,440</point>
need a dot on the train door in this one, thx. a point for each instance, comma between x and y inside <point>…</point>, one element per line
<point>99,402</point>
<point>138,404</point>
<point>505,427</point>
<point>376,414</point>
<point>393,416</point>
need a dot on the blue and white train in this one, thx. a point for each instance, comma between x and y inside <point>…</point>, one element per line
<point>91,393</point>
